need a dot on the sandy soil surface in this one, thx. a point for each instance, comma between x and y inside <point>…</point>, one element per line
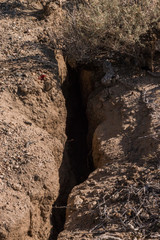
<point>32,123</point>
<point>120,199</point>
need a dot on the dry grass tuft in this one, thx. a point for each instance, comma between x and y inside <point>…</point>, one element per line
<point>95,27</point>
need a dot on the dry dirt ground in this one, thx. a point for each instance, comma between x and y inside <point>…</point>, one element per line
<point>32,123</point>
<point>120,198</point>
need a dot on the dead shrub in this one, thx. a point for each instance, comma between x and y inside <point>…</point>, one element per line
<point>90,30</point>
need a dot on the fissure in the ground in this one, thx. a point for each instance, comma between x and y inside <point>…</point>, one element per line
<point>75,152</point>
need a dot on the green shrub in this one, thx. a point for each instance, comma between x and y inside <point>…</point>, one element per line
<point>102,26</point>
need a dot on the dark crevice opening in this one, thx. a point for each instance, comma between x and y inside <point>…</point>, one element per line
<point>75,166</point>
<point>76,126</point>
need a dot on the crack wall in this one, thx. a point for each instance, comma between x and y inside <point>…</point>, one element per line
<point>75,168</point>
<point>76,126</point>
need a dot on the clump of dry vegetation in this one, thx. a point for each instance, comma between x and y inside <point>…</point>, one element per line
<point>94,27</point>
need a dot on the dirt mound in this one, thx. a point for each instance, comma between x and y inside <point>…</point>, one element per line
<point>120,199</point>
<point>32,124</point>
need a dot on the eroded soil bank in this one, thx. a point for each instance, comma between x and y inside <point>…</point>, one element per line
<point>32,125</point>
<point>45,120</point>
<point>75,151</point>
<point>43,127</point>
<point>119,200</point>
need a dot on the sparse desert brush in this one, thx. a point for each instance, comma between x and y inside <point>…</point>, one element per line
<point>99,26</point>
